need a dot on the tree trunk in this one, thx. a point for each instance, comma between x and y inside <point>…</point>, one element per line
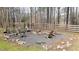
<point>67,17</point>
<point>58,15</point>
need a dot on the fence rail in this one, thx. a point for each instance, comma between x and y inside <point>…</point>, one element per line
<point>73,28</point>
<point>46,26</point>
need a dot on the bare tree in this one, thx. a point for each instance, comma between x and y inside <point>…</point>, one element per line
<point>31,16</point>
<point>67,17</point>
<point>47,14</point>
<point>58,15</point>
<point>76,15</point>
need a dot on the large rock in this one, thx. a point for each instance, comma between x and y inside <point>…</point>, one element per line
<point>21,42</point>
<point>6,36</point>
<point>68,44</point>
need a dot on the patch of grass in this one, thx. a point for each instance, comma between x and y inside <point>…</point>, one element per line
<point>9,46</point>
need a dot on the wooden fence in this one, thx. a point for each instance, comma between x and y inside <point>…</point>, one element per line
<point>73,28</point>
<point>60,27</point>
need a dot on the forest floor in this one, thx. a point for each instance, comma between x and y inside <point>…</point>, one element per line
<point>72,37</point>
<point>75,42</point>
